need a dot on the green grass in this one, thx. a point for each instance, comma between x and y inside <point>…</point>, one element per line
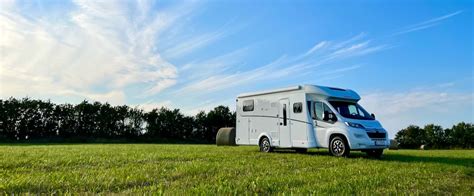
<point>174,169</point>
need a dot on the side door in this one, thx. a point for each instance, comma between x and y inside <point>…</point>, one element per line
<point>284,125</point>
<point>247,109</point>
<point>321,124</point>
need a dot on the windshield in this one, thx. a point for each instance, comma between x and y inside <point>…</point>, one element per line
<point>351,110</point>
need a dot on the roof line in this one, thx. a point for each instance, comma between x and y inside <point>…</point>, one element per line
<point>270,91</point>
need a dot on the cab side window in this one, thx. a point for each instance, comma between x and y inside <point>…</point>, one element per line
<point>319,109</point>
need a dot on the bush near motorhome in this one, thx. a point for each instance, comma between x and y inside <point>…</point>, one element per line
<point>36,120</point>
<point>434,136</point>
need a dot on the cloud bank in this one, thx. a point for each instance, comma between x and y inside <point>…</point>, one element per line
<point>96,51</point>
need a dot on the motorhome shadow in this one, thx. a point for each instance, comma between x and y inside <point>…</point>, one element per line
<point>308,116</point>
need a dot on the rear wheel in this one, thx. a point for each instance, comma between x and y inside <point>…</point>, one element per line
<point>265,145</point>
<point>338,147</point>
<point>376,153</point>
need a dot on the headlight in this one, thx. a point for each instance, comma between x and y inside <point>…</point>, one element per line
<point>355,125</point>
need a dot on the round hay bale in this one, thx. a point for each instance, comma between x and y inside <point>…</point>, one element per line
<point>226,136</point>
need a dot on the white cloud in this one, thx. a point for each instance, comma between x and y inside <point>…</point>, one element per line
<point>160,85</point>
<point>341,70</point>
<point>284,66</point>
<point>397,110</point>
<point>426,24</point>
<point>316,47</point>
<point>351,40</point>
<point>213,66</point>
<point>101,44</point>
<point>208,105</point>
<point>193,43</point>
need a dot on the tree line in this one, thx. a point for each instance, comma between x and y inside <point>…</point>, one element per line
<point>460,135</point>
<point>36,120</point>
<point>28,119</point>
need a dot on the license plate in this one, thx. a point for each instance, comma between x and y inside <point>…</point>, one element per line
<point>380,143</point>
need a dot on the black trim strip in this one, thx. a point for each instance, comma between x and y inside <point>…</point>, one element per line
<point>263,116</point>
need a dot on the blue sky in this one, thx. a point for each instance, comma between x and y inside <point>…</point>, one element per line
<point>411,61</point>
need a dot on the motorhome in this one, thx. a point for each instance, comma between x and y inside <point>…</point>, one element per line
<point>308,116</point>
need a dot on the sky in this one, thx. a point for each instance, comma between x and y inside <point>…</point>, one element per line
<point>411,61</point>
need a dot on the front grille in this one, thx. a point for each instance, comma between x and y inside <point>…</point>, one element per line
<point>376,135</point>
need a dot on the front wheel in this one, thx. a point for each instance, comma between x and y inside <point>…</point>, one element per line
<point>376,153</point>
<point>338,147</point>
<point>265,145</point>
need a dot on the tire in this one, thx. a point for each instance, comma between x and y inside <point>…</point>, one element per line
<point>376,153</point>
<point>301,150</point>
<point>339,147</point>
<point>265,145</point>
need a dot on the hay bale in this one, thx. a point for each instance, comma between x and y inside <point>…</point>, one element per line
<point>226,136</point>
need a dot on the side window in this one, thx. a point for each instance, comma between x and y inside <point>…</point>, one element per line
<point>318,109</point>
<point>247,105</point>
<point>297,107</point>
<point>326,108</point>
<point>284,115</point>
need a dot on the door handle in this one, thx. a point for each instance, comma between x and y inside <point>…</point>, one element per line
<point>281,123</point>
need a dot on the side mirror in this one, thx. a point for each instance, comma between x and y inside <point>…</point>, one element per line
<point>326,116</point>
<point>329,116</point>
<point>332,117</point>
<point>373,115</point>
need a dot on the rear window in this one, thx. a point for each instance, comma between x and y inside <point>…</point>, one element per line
<point>247,105</point>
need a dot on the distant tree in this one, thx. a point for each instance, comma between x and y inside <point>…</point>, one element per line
<point>411,137</point>
<point>152,123</point>
<point>200,126</point>
<point>462,135</point>
<point>219,117</point>
<point>9,118</point>
<point>435,136</point>
<point>132,124</point>
<point>165,123</point>
<point>65,116</point>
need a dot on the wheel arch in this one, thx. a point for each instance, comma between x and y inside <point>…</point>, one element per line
<point>262,135</point>
<point>334,134</point>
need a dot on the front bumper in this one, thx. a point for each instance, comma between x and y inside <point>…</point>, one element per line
<point>360,140</point>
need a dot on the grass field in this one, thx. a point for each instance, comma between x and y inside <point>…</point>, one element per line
<point>172,169</point>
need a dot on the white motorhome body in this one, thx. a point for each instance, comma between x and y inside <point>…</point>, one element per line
<point>307,116</point>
